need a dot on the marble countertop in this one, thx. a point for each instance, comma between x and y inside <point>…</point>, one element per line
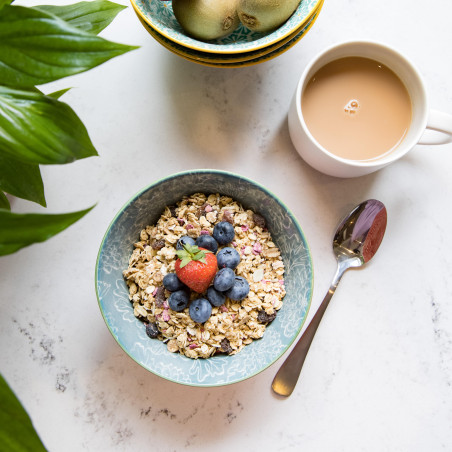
<point>379,373</point>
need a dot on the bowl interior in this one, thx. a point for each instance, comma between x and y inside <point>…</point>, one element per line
<point>144,209</point>
<point>159,15</point>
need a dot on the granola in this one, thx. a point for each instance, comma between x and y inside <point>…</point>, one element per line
<point>232,325</point>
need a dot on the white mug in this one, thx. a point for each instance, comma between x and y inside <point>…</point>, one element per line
<point>422,117</point>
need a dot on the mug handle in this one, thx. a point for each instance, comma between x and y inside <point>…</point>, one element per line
<point>440,122</point>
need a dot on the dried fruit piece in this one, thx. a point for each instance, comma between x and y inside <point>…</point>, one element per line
<point>257,248</point>
<point>259,220</point>
<point>225,346</point>
<point>263,317</point>
<point>165,315</point>
<point>160,296</point>
<point>158,244</point>
<point>202,210</point>
<point>152,330</point>
<point>228,216</point>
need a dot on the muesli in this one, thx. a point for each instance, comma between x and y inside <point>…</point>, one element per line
<point>231,325</point>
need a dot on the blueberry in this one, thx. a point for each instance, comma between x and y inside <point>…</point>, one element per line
<point>239,290</point>
<point>200,310</point>
<point>185,240</point>
<point>178,300</point>
<point>172,282</point>
<point>215,297</point>
<point>224,279</point>
<point>207,242</point>
<point>228,257</point>
<point>223,232</point>
<point>152,330</point>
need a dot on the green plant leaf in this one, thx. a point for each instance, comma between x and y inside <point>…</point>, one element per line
<point>18,230</point>
<point>17,433</point>
<point>21,179</point>
<point>4,2</point>
<point>92,16</point>
<point>10,249</point>
<point>35,128</point>
<point>58,94</point>
<point>4,203</point>
<point>37,47</point>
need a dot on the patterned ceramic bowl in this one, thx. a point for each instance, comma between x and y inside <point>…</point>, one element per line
<point>112,292</point>
<point>236,59</point>
<point>159,15</point>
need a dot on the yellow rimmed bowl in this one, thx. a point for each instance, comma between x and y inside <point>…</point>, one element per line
<point>159,16</point>
<point>236,59</point>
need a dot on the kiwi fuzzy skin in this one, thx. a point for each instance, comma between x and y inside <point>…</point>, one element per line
<point>207,19</point>
<point>265,15</point>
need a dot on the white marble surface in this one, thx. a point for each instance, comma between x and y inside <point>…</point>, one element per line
<point>379,374</point>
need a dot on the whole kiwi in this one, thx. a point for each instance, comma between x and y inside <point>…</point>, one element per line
<point>265,15</point>
<point>207,19</point>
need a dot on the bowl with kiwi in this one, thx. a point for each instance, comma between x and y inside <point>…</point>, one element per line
<point>225,26</point>
<point>236,59</point>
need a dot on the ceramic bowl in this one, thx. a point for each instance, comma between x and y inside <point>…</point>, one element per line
<point>144,209</point>
<point>159,16</point>
<point>236,59</point>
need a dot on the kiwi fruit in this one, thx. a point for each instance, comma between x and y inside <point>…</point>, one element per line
<point>207,19</point>
<point>265,15</point>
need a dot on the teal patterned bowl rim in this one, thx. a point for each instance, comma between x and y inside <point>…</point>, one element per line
<point>236,64</point>
<point>159,15</point>
<point>129,332</point>
<point>235,59</point>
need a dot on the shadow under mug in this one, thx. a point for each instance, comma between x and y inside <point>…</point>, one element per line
<point>422,116</point>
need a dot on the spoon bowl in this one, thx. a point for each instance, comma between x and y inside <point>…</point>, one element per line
<point>360,233</point>
<point>355,242</point>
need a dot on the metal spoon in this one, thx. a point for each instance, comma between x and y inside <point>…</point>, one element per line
<point>356,241</point>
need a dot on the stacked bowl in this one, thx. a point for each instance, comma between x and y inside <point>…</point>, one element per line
<point>240,48</point>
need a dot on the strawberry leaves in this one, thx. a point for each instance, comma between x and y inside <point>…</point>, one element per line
<point>191,253</point>
<point>196,267</point>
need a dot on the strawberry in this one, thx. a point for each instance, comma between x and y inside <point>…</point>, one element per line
<point>196,267</point>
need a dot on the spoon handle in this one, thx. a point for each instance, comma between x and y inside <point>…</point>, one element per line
<point>287,376</point>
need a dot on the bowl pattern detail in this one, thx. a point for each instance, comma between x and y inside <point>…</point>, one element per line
<point>159,15</point>
<point>129,332</point>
